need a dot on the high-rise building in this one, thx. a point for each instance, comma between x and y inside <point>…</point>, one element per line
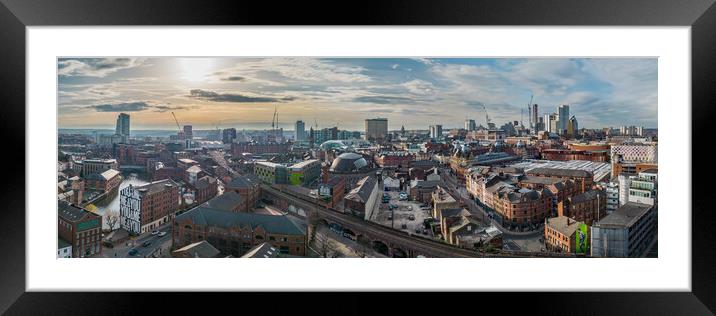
<point>123,126</point>
<point>436,131</point>
<point>563,118</point>
<point>188,134</point>
<point>470,125</point>
<point>228,135</point>
<point>572,126</point>
<point>300,130</point>
<point>534,117</point>
<point>551,123</point>
<point>376,129</point>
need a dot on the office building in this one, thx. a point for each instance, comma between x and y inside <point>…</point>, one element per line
<point>300,130</point>
<point>436,132</point>
<point>535,115</point>
<point>122,128</point>
<point>228,135</point>
<point>563,118</point>
<point>470,125</point>
<point>376,129</point>
<point>627,232</point>
<point>271,173</point>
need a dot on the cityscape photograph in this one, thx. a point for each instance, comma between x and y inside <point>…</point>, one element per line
<point>303,157</point>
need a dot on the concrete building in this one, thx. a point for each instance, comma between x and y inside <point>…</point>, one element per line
<point>643,187</point>
<point>376,129</point>
<point>305,172</point>
<point>64,249</point>
<point>436,132</point>
<point>470,125</point>
<point>81,228</point>
<point>300,129</point>
<point>90,166</point>
<point>271,173</point>
<point>563,118</point>
<point>122,127</point>
<point>228,135</point>
<point>612,191</point>
<point>236,233</point>
<point>144,208</point>
<point>627,232</point>
<point>441,199</point>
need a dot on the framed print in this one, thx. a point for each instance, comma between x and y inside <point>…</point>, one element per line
<point>448,147</point>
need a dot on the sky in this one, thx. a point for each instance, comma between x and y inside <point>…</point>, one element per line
<point>243,92</point>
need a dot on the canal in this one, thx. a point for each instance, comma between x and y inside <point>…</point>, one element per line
<point>111,201</point>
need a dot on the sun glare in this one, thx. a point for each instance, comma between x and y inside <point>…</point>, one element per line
<point>195,69</point>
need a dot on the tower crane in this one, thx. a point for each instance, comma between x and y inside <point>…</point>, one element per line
<point>487,116</point>
<point>176,121</point>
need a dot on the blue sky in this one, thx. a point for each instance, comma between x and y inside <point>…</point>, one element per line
<point>414,92</point>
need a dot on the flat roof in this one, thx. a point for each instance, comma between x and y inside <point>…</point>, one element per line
<point>600,170</point>
<point>625,216</point>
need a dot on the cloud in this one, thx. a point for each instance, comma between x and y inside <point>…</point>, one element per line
<point>121,107</point>
<point>382,99</point>
<point>232,97</point>
<point>95,67</point>
<point>234,78</point>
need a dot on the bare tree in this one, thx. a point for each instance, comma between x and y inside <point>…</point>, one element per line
<point>111,218</point>
<point>326,247</point>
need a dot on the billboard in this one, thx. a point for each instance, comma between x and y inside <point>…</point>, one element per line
<point>582,238</point>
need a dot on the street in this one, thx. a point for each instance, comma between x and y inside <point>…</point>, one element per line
<point>160,245</point>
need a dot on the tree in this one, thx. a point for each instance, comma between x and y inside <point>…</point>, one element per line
<point>326,247</point>
<point>111,218</point>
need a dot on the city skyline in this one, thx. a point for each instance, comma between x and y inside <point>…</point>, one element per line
<point>415,93</point>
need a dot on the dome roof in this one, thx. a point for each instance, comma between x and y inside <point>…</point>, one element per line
<point>333,144</point>
<point>348,162</point>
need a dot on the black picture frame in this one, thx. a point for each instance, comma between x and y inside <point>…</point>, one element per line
<point>16,15</point>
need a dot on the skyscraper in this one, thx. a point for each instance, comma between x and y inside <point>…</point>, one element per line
<point>534,117</point>
<point>376,129</point>
<point>123,126</point>
<point>436,131</point>
<point>188,134</point>
<point>470,125</point>
<point>229,135</point>
<point>563,118</point>
<point>300,130</point>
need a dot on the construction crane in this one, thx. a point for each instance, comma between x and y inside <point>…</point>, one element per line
<point>176,121</point>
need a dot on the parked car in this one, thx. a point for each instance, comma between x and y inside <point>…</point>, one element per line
<point>154,232</point>
<point>411,217</point>
<point>146,244</point>
<point>162,234</point>
<point>133,252</point>
<point>404,226</point>
<point>410,208</point>
<point>390,216</point>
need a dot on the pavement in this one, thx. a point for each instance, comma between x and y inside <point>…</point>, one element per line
<point>159,246</point>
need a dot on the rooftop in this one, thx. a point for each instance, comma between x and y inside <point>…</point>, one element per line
<point>71,212</point>
<point>625,216</point>
<point>303,164</point>
<point>244,181</point>
<point>563,224</point>
<point>587,196</point>
<point>156,186</point>
<point>201,249</point>
<point>207,216</point>
<point>264,250</point>
<point>600,169</point>
<point>561,172</point>
<point>363,190</point>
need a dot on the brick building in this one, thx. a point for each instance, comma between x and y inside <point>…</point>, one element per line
<point>236,233</point>
<point>105,181</point>
<point>363,198</point>
<point>560,234</point>
<point>144,208</point>
<point>247,186</point>
<point>81,228</point>
<point>587,207</point>
<point>582,178</point>
<point>205,188</point>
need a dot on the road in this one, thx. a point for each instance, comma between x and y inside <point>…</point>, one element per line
<point>156,243</point>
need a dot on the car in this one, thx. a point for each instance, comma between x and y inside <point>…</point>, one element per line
<point>410,208</point>
<point>133,252</point>
<point>390,216</point>
<point>404,226</point>
<point>146,244</point>
<point>162,234</point>
<point>392,206</point>
<point>154,232</point>
<point>418,231</point>
<point>411,217</point>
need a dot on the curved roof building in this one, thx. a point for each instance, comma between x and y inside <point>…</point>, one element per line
<point>348,162</point>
